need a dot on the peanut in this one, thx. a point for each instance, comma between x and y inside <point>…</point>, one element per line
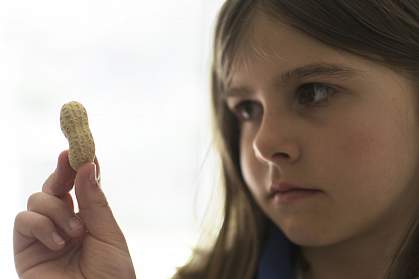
<point>75,126</point>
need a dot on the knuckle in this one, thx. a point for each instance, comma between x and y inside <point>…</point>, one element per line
<point>48,181</point>
<point>33,200</point>
<point>54,179</point>
<point>41,224</point>
<point>75,126</point>
<point>56,209</point>
<point>46,204</point>
<point>19,219</point>
<point>100,203</point>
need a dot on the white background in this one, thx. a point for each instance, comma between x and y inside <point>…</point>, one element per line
<point>141,69</point>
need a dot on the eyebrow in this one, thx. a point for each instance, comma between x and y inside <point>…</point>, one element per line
<point>307,71</point>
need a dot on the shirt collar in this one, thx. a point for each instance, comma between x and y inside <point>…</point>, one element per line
<point>277,258</point>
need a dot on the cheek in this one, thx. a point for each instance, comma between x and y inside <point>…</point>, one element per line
<point>355,166</point>
<point>253,171</point>
<point>371,166</point>
<point>377,151</point>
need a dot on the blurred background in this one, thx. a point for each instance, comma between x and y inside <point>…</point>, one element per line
<point>141,69</point>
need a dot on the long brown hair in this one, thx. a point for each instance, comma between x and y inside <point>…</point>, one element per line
<point>385,32</point>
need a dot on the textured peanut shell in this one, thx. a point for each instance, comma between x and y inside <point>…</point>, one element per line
<point>75,126</point>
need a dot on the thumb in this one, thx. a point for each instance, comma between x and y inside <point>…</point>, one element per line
<point>94,209</point>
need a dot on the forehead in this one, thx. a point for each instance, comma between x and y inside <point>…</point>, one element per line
<point>270,46</point>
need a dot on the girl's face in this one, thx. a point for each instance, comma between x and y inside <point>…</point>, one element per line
<point>354,136</point>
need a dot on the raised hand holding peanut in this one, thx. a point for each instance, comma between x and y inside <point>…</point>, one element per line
<point>97,248</point>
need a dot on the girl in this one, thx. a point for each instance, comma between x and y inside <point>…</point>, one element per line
<point>351,150</point>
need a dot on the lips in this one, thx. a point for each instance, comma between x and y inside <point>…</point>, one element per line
<point>284,187</point>
<point>293,196</point>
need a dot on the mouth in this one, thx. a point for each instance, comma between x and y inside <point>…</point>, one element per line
<point>294,195</point>
<point>283,188</point>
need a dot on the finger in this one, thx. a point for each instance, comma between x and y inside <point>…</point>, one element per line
<point>61,180</point>
<point>30,226</point>
<point>69,201</point>
<point>56,210</point>
<point>94,208</point>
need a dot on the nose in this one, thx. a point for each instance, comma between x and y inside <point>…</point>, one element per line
<point>275,140</point>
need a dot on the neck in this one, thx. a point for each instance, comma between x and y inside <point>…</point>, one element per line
<point>366,256</point>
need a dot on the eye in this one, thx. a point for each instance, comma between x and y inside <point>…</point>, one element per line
<point>245,110</point>
<point>316,91</point>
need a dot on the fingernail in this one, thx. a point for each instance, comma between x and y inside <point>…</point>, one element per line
<point>57,239</point>
<point>93,176</point>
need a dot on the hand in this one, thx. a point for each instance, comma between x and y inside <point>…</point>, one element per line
<point>97,249</point>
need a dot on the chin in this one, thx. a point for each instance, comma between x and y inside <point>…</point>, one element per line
<point>306,234</point>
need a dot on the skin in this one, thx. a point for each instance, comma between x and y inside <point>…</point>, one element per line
<point>97,249</point>
<point>360,150</point>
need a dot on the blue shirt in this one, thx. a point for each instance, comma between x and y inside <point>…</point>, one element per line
<point>277,257</point>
